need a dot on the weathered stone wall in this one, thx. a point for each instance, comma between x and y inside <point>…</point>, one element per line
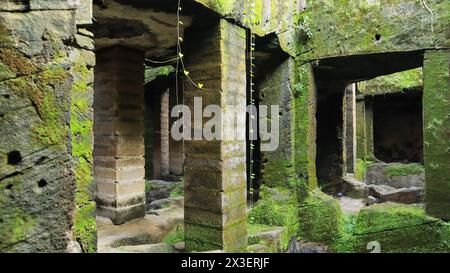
<point>436,100</point>
<point>275,89</point>
<point>382,26</point>
<point>215,171</point>
<point>45,118</point>
<point>270,16</point>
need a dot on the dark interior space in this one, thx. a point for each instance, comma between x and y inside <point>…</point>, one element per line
<point>153,161</point>
<point>329,161</point>
<point>398,132</point>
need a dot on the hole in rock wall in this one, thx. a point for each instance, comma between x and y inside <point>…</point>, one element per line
<point>14,158</point>
<point>377,37</point>
<point>42,183</point>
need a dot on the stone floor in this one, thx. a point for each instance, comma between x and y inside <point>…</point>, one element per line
<point>143,235</point>
<point>351,205</point>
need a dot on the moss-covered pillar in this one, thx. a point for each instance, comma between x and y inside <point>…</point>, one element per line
<point>349,135</point>
<point>370,150</point>
<point>436,112</point>
<point>275,90</point>
<point>215,170</point>
<point>361,146</point>
<point>305,124</point>
<point>119,128</point>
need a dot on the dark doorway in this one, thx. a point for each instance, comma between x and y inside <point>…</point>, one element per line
<point>398,122</point>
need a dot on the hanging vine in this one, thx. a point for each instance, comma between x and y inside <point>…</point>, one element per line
<point>249,21</point>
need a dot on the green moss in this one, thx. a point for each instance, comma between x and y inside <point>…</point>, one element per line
<point>345,242</point>
<point>50,109</point>
<point>148,187</point>
<point>81,127</point>
<point>304,124</point>
<point>320,216</point>
<point>177,191</point>
<point>257,228</point>
<point>16,226</point>
<point>381,26</point>
<point>175,236</point>
<point>41,90</point>
<point>436,121</point>
<point>278,172</point>
<point>277,207</point>
<point>85,227</point>
<point>397,227</point>
<point>361,168</point>
<point>397,82</point>
<point>399,169</point>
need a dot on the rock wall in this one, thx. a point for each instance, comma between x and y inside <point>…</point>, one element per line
<point>278,167</point>
<point>382,26</point>
<point>46,65</point>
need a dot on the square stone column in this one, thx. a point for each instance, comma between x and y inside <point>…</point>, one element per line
<point>436,127</point>
<point>370,150</point>
<point>349,128</point>
<point>361,146</point>
<point>215,170</point>
<point>119,165</point>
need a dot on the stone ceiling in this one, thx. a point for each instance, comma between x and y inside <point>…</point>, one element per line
<point>143,25</point>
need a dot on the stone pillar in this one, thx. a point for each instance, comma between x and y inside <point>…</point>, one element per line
<point>119,166</point>
<point>165,133</point>
<point>349,128</point>
<point>436,112</point>
<point>361,147</point>
<point>304,133</point>
<point>215,171</point>
<point>370,150</point>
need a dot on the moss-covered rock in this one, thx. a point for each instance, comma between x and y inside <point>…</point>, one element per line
<point>277,208</point>
<point>397,82</point>
<point>399,169</point>
<point>361,168</point>
<point>319,217</point>
<point>84,229</point>
<point>348,27</point>
<point>396,227</point>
